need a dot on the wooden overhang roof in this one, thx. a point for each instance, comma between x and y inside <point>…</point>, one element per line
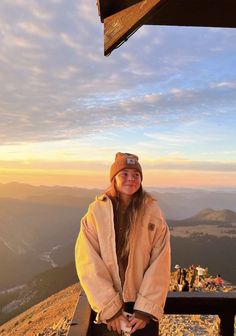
<point>122,18</point>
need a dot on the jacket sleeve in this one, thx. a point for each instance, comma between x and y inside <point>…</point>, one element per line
<point>93,273</point>
<point>154,287</point>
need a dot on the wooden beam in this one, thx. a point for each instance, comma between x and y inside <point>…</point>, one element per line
<point>109,7</point>
<point>118,27</point>
<point>122,18</point>
<point>198,13</point>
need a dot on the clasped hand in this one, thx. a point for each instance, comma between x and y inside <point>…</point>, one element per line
<point>133,322</point>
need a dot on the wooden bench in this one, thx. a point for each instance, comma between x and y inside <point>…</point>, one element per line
<point>205,303</point>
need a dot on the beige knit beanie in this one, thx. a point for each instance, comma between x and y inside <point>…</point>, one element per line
<point>125,161</point>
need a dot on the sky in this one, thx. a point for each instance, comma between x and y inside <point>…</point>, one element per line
<point>167,95</point>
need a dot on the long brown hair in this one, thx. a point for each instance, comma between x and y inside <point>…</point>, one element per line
<point>133,214</point>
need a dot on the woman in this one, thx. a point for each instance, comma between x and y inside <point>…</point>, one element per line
<point>123,254</point>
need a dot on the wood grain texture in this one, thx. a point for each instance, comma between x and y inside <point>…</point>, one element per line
<point>80,321</point>
<point>119,26</point>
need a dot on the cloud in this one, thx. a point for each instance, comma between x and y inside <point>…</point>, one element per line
<point>55,165</point>
<point>184,164</point>
<point>56,83</point>
<point>172,139</point>
<point>227,85</point>
<point>31,28</point>
<point>73,44</point>
<point>69,117</point>
<point>177,163</point>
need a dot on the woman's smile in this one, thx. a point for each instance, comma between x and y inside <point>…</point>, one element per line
<point>128,181</point>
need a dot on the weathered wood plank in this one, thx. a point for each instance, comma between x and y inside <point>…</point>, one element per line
<point>226,324</point>
<point>80,322</point>
<point>110,7</point>
<point>119,26</point>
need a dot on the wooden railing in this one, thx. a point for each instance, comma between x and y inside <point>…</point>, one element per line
<point>80,321</point>
<point>205,303</point>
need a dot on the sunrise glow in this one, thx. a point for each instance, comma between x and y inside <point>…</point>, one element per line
<point>66,109</point>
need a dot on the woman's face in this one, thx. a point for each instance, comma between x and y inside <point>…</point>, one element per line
<point>128,181</point>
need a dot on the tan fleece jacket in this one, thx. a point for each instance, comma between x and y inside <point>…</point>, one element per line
<point>148,272</point>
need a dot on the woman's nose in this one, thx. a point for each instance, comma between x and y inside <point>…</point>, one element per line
<point>131,177</point>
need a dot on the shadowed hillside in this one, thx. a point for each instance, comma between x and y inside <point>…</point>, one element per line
<point>30,233</point>
<point>209,251</point>
<point>207,238</point>
<point>14,302</point>
<point>47,317</point>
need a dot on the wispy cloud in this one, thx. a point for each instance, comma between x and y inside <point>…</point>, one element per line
<point>69,115</point>
<point>156,91</point>
<point>185,164</point>
<point>174,163</point>
<point>226,84</point>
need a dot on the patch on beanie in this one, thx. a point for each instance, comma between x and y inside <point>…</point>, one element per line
<point>131,161</point>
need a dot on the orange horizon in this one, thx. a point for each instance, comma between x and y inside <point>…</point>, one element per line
<point>100,179</point>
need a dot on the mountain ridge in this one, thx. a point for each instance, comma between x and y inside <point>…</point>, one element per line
<point>177,204</point>
<point>23,191</point>
<point>224,215</point>
<point>208,216</point>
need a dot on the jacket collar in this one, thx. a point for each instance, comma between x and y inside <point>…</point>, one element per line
<point>102,197</point>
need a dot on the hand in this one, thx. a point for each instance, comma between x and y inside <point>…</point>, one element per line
<point>136,323</point>
<point>115,324</point>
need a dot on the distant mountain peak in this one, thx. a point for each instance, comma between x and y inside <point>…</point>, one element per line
<point>206,211</point>
<point>209,214</point>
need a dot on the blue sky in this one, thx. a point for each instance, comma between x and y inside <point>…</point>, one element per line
<point>168,94</point>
